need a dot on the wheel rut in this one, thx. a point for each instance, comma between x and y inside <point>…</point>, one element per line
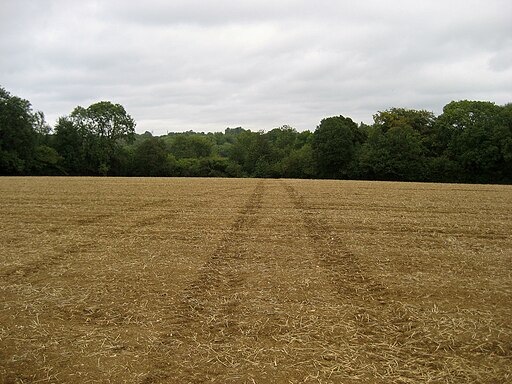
<point>197,347</point>
<point>343,267</point>
<point>281,300</point>
<point>382,329</point>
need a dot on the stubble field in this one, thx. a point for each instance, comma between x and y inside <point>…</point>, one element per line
<point>254,281</point>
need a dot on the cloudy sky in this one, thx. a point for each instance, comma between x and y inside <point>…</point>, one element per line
<point>204,65</point>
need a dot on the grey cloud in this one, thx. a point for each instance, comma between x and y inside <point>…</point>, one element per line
<point>502,61</point>
<point>205,65</point>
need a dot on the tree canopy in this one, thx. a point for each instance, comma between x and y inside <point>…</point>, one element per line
<point>90,139</point>
<point>335,143</point>
<point>471,141</point>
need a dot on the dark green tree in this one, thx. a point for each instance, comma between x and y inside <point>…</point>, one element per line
<point>474,135</point>
<point>46,161</point>
<point>150,158</point>
<point>299,163</point>
<point>239,150</point>
<point>335,144</point>
<point>71,143</point>
<point>90,139</point>
<point>191,146</point>
<point>394,154</point>
<point>419,120</point>
<point>18,137</point>
<point>252,150</point>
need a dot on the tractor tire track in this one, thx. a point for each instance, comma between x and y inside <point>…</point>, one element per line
<point>346,273</point>
<point>382,326</point>
<point>351,284</point>
<point>196,348</point>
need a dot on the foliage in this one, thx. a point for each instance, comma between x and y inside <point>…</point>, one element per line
<point>190,146</point>
<point>150,158</point>
<point>18,135</point>
<point>471,141</point>
<point>335,143</point>
<point>395,154</point>
<point>478,137</point>
<point>90,139</point>
<point>420,121</point>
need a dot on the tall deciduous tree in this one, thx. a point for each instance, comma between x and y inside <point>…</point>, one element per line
<point>17,134</point>
<point>474,134</point>
<point>419,120</point>
<point>396,154</point>
<point>335,143</point>
<point>90,138</point>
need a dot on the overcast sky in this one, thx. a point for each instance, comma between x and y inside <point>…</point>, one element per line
<point>178,65</point>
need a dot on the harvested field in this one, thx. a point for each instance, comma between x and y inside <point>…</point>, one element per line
<point>254,281</point>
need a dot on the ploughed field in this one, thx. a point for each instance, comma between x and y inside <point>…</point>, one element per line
<point>254,281</point>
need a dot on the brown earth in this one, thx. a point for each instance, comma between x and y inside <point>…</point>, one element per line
<point>254,281</point>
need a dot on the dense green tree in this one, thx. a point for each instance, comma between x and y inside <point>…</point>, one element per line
<point>442,169</point>
<point>283,138</point>
<point>230,132</point>
<point>474,135</point>
<point>150,158</point>
<point>335,144</point>
<point>394,154</point>
<point>398,145</point>
<point>303,138</point>
<point>260,156</point>
<point>18,138</point>
<point>71,145</point>
<point>223,142</point>
<point>106,120</point>
<point>299,163</point>
<point>219,167</point>
<point>190,146</point>
<point>251,149</point>
<point>121,162</point>
<point>239,150</point>
<point>419,120</point>
<point>46,161</point>
<point>91,139</point>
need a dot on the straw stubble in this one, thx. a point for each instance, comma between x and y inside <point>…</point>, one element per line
<point>254,281</point>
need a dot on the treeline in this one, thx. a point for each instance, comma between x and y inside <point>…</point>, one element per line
<point>471,141</point>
